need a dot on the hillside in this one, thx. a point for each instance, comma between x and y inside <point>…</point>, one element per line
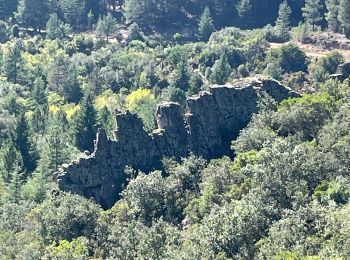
<point>143,129</point>
<point>321,45</point>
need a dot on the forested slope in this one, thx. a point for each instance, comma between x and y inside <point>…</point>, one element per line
<point>67,67</point>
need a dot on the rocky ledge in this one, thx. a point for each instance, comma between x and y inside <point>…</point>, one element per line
<point>212,120</point>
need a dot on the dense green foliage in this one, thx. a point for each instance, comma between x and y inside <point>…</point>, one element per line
<point>168,16</point>
<point>68,65</point>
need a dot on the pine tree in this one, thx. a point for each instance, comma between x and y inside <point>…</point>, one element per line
<point>302,32</point>
<point>38,120</point>
<point>73,12</point>
<point>312,12</point>
<point>140,11</point>
<point>9,160</point>
<point>220,71</point>
<point>166,11</point>
<point>96,8</point>
<point>3,32</point>
<point>205,25</point>
<point>33,13</point>
<point>332,15</point>
<point>37,186</point>
<point>62,78</point>
<point>39,94</point>
<point>7,7</point>
<point>84,124</point>
<point>39,104</point>
<point>23,144</point>
<point>56,144</point>
<point>344,16</point>
<point>105,121</point>
<point>182,75</point>
<point>15,185</point>
<point>56,29</point>
<point>106,26</point>
<point>196,82</point>
<point>90,19</point>
<point>12,62</point>
<point>243,7</point>
<point>283,22</point>
<point>62,121</point>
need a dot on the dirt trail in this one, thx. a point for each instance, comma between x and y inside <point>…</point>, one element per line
<point>313,51</point>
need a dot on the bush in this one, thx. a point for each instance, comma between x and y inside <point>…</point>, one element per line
<point>243,71</point>
<point>290,57</point>
<point>304,116</point>
<point>325,66</point>
<point>274,71</point>
<point>65,217</point>
<point>174,95</point>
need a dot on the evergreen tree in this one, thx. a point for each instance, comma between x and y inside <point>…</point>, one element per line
<point>23,144</point>
<point>166,11</point>
<point>56,29</point>
<point>3,32</point>
<point>84,124</point>
<point>139,11</point>
<point>332,15</point>
<point>283,22</point>
<point>105,121</point>
<point>302,31</point>
<point>38,185</point>
<point>312,12</point>
<point>195,83</point>
<point>55,149</point>
<point>39,103</point>
<point>39,94</point>
<point>220,71</point>
<point>7,7</point>
<point>96,8</point>
<point>15,185</point>
<point>38,120</point>
<point>90,19</point>
<point>73,12</point>
<point>243,7</point>
<point>205,25</point>
<point>33,13</point>
<point>61,119</point>
<point>344,16</point>
<point>62,78</point>
<point>151,12</point>
<point>106,26</point>
<point>12,62</point>
<point>9,160</point>
<point>182,75</point>
<point>53,7</point>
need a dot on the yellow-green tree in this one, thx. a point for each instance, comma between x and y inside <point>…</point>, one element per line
<point>143,103</point>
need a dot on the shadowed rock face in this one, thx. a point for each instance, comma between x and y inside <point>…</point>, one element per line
<point>213,119</point>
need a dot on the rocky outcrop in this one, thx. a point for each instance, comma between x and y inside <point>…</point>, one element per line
<point>342,73</point>
<point>212,120</point>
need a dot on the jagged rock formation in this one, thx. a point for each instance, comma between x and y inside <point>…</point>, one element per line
<point>212,120</point>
